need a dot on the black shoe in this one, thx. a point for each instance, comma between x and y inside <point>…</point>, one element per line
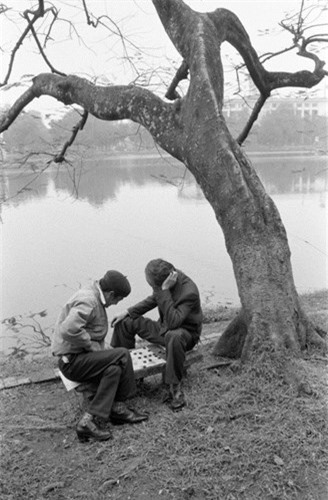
<point>87,429</point>
<point>166,396</point>
<point>178,402</point>
<point>127,416</point>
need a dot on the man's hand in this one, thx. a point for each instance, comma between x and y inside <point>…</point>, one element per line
<point>170,280</point>
<point>95,346</point>
<point>119,318</point>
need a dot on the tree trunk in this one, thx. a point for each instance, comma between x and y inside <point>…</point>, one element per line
<point>272,317</point>
<point>255,237</point>
<point>256,242</point>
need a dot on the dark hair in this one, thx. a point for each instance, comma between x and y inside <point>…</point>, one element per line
<point>116,282</point>
<point>158,270</point>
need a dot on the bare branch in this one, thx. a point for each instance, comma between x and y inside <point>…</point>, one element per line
<point>181,74</point>
<point>4,8</point>
<point>10,116</point>
<point>269,55</point>
<point>60,157</point>
<point>267,81</point>
<point>37,14</point>
<point>253,117</point>
<point>40,47</point>
<point>26,186</point>
<point>96,21</point>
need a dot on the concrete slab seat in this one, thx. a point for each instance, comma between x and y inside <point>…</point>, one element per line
<point>148,360</point>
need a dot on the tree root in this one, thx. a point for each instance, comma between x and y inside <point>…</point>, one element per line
<point>231,343</point>
<point>315,335</point>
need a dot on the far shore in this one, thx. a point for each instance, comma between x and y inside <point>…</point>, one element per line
<point>10,160</point>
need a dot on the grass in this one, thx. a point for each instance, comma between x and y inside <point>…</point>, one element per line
<point>245,435</point>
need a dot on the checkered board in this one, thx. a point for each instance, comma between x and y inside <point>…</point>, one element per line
<point>147,361</point>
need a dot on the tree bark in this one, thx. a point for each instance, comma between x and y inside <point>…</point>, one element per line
<point>231,343</point>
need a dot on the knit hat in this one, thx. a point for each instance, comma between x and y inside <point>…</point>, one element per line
<point>116,282</point>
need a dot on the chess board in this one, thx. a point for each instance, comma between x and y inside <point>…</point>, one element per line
<point>150,360</point>
<point>147,361</point>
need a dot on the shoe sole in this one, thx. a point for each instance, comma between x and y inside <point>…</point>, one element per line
<point>177,407</point>
<point>124,422</point>
<point>84,438</point>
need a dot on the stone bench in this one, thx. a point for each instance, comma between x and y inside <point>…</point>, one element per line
<point>148,360</point>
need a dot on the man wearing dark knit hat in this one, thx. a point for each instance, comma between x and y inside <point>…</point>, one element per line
<point>78,341</point>
<point>179,326</point>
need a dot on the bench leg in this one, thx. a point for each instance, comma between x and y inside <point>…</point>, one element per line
<point>163,375</point>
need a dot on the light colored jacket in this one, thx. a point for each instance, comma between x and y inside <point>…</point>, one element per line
<point>82,324</point>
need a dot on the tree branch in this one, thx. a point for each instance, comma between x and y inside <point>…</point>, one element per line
<point>198,38</point>
<point>253,117</point>
<point>161,119</point>
<point>96,21</point>
<point>37,14</point>
<point>60,157</point>
<point>11,114</point>
<point>40,47</point>
<point>181,74</point>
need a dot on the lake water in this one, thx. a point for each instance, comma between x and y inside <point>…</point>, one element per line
<point>121,212</point>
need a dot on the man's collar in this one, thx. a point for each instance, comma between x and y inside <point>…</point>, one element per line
<point>102,298</point>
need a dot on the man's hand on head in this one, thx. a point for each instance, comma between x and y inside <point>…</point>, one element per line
<point>170,281</point>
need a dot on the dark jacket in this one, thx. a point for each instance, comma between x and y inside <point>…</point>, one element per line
<point>178,307</point>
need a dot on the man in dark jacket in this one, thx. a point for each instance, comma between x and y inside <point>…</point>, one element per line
<point>78,342</point>
<point>179,325</point>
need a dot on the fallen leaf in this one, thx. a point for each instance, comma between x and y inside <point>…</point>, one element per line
<point>277,460</point>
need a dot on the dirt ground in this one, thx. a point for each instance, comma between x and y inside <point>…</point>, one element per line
<point>243,435</point>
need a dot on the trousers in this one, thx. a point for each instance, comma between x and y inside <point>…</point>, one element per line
<point>111,370</point>
<point>176,342</point>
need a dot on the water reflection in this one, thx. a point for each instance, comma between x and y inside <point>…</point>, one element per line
<point>97,181</point>
<point>67,227</point>
<point>293,175</point>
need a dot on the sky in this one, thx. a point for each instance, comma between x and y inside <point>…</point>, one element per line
<point>94,54</point>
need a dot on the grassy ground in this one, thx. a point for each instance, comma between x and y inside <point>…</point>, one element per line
<point>243,435</point>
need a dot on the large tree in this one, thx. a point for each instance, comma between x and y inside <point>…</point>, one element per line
<point>192,129</point>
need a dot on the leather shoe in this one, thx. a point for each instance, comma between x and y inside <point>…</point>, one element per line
<point>166,396</point>
<point>127,416</point>
<point>87,429</point>
<point>177,402</point>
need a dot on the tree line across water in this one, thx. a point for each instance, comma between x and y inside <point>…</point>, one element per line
<point>278,129</point>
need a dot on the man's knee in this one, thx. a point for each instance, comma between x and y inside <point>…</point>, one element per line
<point>118,358</point>
<point>112,371</point>
<point>126,324</point>
<point>123,355</point>
<point>179,338</point>
<point>173,337</point>
<point>124,328</point>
